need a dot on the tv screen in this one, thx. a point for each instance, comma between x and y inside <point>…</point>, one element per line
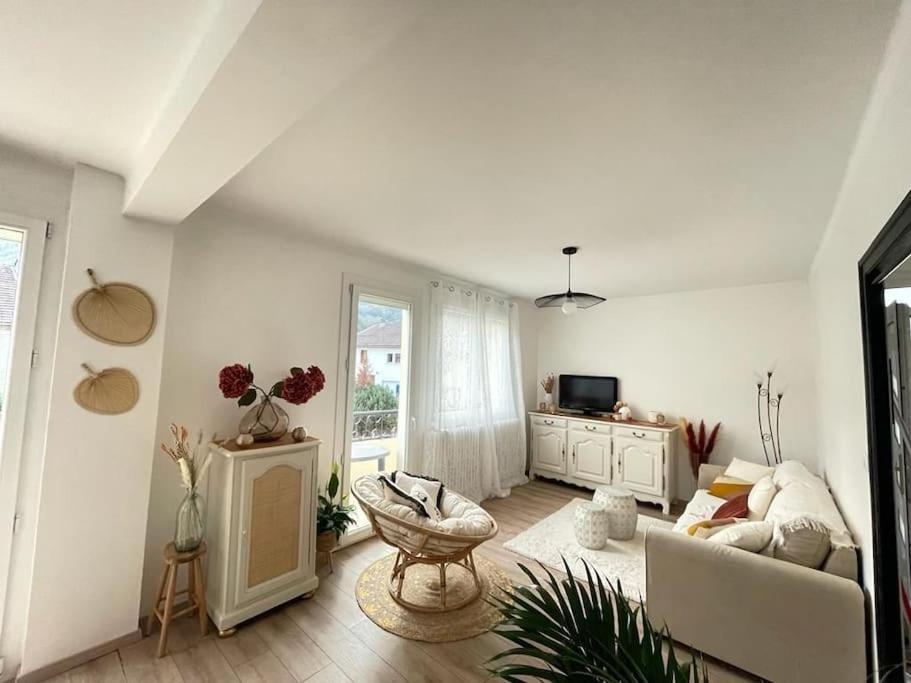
<point>587,393</point>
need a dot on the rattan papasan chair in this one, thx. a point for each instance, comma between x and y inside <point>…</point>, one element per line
<point>447,543</point>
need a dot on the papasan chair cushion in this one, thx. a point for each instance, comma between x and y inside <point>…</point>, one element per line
<point>461,516</point>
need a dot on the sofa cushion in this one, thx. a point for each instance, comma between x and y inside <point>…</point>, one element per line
<point>748,471</point>
<point>702,506</point>
<point>804,541</point>
<point>750,536</point>
<point>801,493</point>
<point>760,498</point>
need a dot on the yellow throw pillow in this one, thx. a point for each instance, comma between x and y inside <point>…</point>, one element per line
<point>729,487</point>
<point>707,527</point>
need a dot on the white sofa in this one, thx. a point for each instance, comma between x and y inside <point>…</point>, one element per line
<point>778,620</point>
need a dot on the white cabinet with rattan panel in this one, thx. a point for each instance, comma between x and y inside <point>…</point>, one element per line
<point>262,528</point>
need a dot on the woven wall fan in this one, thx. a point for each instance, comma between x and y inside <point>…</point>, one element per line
<point>115,313</point>
<point>109,392</point>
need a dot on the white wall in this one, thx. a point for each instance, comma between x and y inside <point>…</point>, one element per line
<point>240,294</point>
<point>87,564</point>
<point>877,180</point>
<point>695,354</point>
<point>38,189</point>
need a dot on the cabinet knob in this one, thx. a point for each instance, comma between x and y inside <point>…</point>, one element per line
<point>639,435</point>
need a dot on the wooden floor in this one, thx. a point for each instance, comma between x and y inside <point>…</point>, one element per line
<point>328,638</point>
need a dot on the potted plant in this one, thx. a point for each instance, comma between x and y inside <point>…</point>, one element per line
<point>332,518</point>
<point>268,421</point>
<point>570,630</point>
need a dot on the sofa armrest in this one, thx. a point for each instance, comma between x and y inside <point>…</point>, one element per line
<point>773,618</point>
<point>708,474</point>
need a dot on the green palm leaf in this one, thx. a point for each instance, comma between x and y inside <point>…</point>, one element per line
<point>573,630</point>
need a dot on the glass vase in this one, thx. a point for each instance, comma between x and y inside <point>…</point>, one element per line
<point>190,529</point>
<point>266,421</point>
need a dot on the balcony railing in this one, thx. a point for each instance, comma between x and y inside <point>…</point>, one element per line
<point>375,424</point>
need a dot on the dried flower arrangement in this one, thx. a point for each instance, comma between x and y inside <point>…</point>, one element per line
<point>699,445</point>
<point>548,383</point>
<point>190,528</point>
<point>236,381</point>
<point>191,469</point>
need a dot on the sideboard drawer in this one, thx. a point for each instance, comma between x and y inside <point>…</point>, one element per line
<point>590,427</point>
<point>636,433</point>
<point>545,421</point>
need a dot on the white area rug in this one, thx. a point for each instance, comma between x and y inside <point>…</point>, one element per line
<point>553,536</point>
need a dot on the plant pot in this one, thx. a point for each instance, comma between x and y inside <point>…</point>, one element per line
<point>326,542</point>
<point>266,421</point>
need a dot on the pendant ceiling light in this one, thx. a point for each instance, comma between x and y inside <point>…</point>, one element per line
<point>569,300</point>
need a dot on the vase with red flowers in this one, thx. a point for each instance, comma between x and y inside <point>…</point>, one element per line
<point>267,420</point>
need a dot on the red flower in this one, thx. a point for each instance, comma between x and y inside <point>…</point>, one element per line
<point>234,380</point>
<point>301,386</point>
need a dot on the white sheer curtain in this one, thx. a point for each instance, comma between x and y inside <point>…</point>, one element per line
<point>474,415</point>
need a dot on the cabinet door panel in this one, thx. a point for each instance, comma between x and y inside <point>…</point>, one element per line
<point>640,465</point>
<point>274,524</point>
<point>549,449</point>
<point>275,521</point>
<point>591,457</point>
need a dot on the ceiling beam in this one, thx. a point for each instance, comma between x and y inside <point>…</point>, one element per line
<point>261,66</point>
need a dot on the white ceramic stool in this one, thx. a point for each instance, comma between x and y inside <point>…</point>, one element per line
<point>620,506</point>
<point>591,525</point>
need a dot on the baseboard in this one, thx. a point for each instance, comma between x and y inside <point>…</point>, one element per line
<point>79,658</point>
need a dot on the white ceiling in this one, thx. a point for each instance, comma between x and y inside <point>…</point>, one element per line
<point>84,80</point>
<point>681,145</point>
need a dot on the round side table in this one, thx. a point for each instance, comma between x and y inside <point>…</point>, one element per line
<point>591,525</point>
<point>620,506</point>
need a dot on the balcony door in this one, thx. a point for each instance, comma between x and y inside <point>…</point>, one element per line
<point>21,255</point>
<point>377,396</point>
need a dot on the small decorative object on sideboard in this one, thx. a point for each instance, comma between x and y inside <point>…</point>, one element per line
<point>656,417</point>
<point>190,529</point>
<point>548,385</point>
<point>268,421</point>
<point>299,434</point>
<point>244,440</point>
<point>332,519</point>
<point>769,405</point>
<point>622,411</point>
<point>699,445</point>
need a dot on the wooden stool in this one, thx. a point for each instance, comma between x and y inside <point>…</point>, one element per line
<point>167,591</point>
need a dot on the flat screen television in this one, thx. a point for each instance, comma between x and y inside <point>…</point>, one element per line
<point>587,393</point>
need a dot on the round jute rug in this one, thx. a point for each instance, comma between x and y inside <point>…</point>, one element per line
<point>422,586</point>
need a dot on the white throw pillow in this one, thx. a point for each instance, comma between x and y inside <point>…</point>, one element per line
<point>748,471</point>
<point>407,482</point>
<point>760,498</point>
<point>395,494</point>
<point>749,536</point>
<point>430,507</point>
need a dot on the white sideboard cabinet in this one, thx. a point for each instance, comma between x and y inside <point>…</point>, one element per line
<point>261,531</point>
<point>588,451</point>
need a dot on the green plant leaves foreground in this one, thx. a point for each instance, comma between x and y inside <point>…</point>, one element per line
<point>569,630</point>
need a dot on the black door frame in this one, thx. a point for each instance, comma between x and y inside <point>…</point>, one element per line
<point>890,248</point>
